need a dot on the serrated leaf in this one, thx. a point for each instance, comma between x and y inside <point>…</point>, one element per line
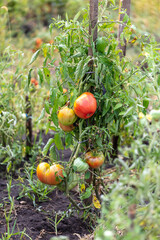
<point>54,118</point>
<point>34,57</point>
<point>53,153</point>
<point>46,105</point>
<point>47,146</point>
<point>53,95</point>
<point>62,100</point>
<point>58,141</point>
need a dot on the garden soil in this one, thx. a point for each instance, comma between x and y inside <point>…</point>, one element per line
<point>39,221</point>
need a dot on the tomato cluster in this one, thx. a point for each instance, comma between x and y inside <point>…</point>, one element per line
<point>84,107</point>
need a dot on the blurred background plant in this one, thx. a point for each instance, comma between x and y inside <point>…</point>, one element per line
<point>130,209</point>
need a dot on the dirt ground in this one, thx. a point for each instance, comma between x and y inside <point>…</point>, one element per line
<point>39,221</point>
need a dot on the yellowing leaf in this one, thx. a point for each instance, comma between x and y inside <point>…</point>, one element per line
<point>83,187</point>
<point>96,202</point>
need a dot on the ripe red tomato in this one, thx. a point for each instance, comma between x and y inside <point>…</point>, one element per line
<point>94,159</point>
<point>51,175</point>
<point>66,116</point>
<point>85,105</point>
<point>66,128</point>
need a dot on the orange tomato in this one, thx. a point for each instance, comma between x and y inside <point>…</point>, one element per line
<point>51,175</point>
<point>33,80</point>
<point>94,159</point>
<point>38,42</point>
<point>64,90</point>
<point>66,116</point>
<point>85,105</point>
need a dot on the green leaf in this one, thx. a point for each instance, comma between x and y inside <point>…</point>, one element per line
<point>76,16</point>
<point>46,105</point>
<point>87,175</point>
<point>47,146</point>
<point>128,112</point>
<point>53,95</point>
<point>106,107</point>
<point>78,70</point>
<point>29,76</point>
<point>9,165</point>
<point>64,173</point>
<point>126,18</point>
<point>47,74</point>
<point>158,80</point>
<point>87,193</point>
<point>62,100</point>
<point>73,97</point>
<point>40,74</point>
<point>99,141</point>
<point>54,118</point>
<point>146,102</point>
<point>53,153</point>
<point>118,105</point>
<point>68,140</point>
<point>58,141</point>
<point>42,115</point>
<point>34,56</point>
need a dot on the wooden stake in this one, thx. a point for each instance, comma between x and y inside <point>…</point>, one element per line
<point>28,126</point>
<point>123,5</point>
<point>92,39</point>
<point>93,24</point>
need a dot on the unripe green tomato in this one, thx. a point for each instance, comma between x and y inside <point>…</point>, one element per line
<point>80,165</point>
<point>101,44</point>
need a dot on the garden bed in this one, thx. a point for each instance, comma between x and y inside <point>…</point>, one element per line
<point>39,221</point>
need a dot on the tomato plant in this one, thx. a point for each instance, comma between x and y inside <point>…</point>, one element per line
<point>66,116</point>
<point>85,105</point>
<point>51,175</point>
<point>94,159</point>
